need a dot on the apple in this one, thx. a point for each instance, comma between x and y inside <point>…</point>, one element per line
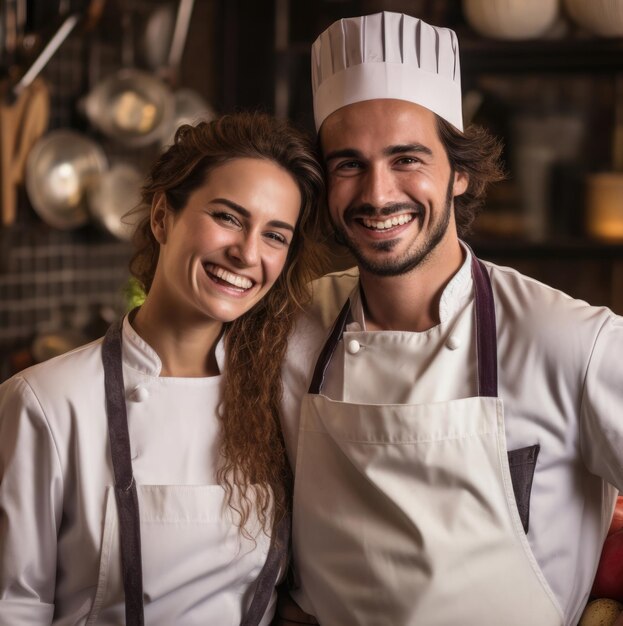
<point>617,517</point>
<point>608,581</point>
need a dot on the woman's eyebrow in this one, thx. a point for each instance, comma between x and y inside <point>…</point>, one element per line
<point>247,214</point>
<point>232,205</point>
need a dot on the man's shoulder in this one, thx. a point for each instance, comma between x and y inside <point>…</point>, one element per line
<point>329,293</point>
<point>531,309</point>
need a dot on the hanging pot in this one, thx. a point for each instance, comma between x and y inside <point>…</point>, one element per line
<point>60,170</point>
<point>130,106</point>
<point>112,198</point>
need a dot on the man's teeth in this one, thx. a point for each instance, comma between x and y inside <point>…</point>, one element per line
<point>233,279</point>
<point>388,223</point>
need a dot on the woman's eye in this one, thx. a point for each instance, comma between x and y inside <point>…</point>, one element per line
<point>226,218</point>
<point>278,237</point>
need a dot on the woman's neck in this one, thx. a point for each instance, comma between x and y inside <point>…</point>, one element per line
<point>186,349</point>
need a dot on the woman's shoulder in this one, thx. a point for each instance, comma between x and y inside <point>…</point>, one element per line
<point>71,374</point>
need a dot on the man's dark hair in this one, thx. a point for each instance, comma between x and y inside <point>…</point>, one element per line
<point>477,153</point>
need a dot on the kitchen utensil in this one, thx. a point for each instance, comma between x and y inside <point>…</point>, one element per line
<point>189,108</point>
<point>46,54</point>
<point>601,17</point>
<point>21,125</point>
<point>85,13</point>
<point>158,36</point>
<point>164,39</point>
<point>116,192</point>
<point>130,106</point>
<point>511,19</point>
<point>182,22</point>
<point>61,168</point>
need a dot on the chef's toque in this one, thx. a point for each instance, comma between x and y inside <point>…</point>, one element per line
<point>387,55</point>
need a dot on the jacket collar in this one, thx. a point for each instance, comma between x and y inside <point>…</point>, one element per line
<point>453,298</point>
<point>139,355</point>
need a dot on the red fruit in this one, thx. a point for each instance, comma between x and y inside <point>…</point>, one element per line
<point>617,518</point>
<point>608,581</point>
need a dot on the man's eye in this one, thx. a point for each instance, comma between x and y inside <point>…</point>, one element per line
<point>349,165</point>
<point>407,161</point>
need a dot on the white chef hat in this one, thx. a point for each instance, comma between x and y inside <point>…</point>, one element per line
<point>387,55</point>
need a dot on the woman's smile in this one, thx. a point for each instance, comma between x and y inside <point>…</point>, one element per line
<point>233,281</point>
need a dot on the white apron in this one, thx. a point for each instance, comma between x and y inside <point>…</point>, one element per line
<point>407,514</point>
<point>182,540</point>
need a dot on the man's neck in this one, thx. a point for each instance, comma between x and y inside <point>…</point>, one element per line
<point>410,302</point>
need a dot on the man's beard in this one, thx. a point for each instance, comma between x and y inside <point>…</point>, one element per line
<point>397,267</point>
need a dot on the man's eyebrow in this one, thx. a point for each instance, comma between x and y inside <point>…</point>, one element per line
<point>409,147</point>
<point>348,153</point>
<point>352,153</point>
<point>247,214</point>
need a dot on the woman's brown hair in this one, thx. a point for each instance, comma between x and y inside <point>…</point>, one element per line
<point>254,469</point>
<point>476,153</point>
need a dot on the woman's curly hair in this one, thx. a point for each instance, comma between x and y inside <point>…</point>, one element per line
<point>254,469</point>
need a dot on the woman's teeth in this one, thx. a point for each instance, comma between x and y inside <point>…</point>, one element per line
<point>229,277</point>
<point>388,223</point>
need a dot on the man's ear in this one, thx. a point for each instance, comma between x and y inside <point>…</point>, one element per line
<point>461,182</point>
<point>159,217</point>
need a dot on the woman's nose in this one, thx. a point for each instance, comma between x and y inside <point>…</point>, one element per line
<point>246,250</point>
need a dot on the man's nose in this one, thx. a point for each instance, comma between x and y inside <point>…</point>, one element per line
<point>378,187</point>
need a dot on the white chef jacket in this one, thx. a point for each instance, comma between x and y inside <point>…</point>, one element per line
<point>560,380</point>
<point>55,472</point>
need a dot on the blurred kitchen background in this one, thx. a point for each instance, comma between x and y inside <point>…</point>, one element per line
<point>91,90</point>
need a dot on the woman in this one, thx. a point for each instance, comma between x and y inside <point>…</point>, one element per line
<point>160,443</point>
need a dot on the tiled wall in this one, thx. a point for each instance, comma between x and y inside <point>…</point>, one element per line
<point>50,277</point>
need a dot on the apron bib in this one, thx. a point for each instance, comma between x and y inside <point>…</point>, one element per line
<point>407,514</point>
<point>184,530</point>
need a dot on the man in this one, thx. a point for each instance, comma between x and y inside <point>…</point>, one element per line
<point>455,427</point>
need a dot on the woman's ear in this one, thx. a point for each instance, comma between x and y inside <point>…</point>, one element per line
<point>159,214</point>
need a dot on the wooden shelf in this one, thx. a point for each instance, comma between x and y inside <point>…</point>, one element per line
<point>552,249</point>
<point>603,56</point>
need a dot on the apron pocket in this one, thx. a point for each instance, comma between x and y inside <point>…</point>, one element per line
<point>522,463</point>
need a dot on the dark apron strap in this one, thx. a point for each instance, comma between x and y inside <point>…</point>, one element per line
<point>276,562</point>
<point>125,486</point>
<point>486,337</point>
<point>328,349</point>
<point>127,501</point>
